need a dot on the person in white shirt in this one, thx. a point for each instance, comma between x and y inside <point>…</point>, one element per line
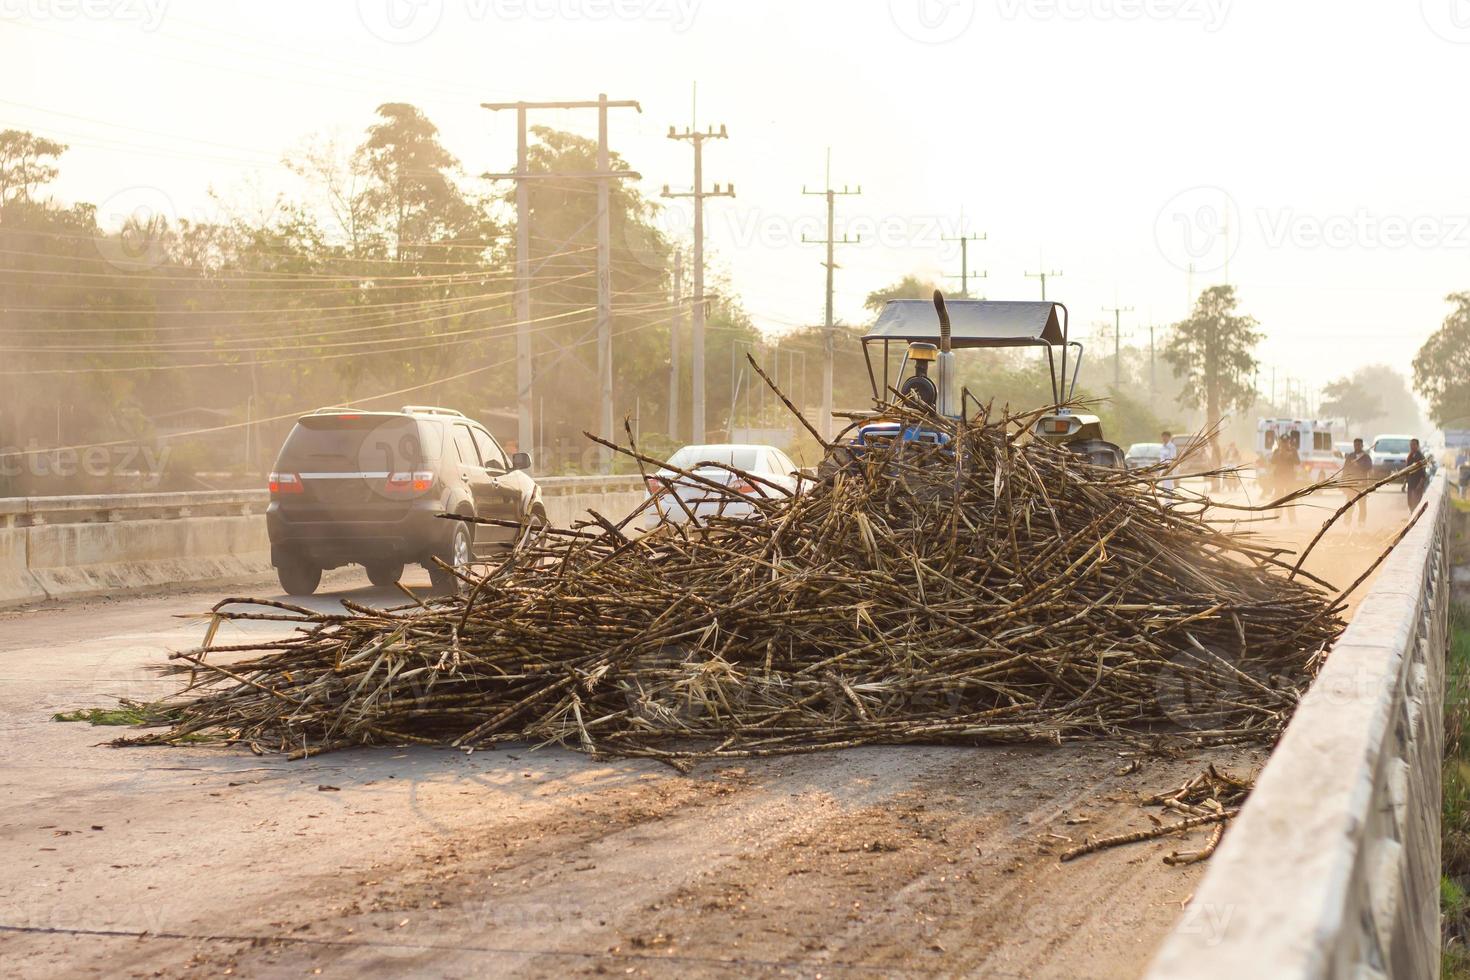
<point>1167,456</point>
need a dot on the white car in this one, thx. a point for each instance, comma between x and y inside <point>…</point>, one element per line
<point>767,463</point>
<point>1142,454</point>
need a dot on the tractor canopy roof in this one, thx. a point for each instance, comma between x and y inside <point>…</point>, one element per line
<point>973,323</point>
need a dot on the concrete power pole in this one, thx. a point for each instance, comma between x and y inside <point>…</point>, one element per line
<point>1118,312</point>
<point>697,138</point>
<point>1153,382</point>
<point>525,432</point>
<point>1043,275</point>
<point>964,276</point>
<point>676,324</point>
<point>824,426</point>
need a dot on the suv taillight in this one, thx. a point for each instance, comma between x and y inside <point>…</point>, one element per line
<point>656,485</point>
<point>407,484</point>
<point>284,483</point>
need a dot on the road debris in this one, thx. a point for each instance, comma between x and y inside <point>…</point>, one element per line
<point>987,589</point>
<point>1210,798</point>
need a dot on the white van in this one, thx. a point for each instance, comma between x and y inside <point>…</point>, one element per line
<point>1320,459</point>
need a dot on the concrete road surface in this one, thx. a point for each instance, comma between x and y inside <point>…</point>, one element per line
<point>202,861</point>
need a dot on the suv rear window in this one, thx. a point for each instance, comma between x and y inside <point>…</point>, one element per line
<point>360,443</point>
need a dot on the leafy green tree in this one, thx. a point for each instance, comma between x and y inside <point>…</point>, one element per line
<point>1212,352</point>
<point>414,191</point>
<point>1442,366</point>
<point>1401,410</point>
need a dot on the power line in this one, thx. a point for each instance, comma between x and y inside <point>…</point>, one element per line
<point>21,453</point>
<point>314,314</point>
<point>307,337</point>
<point>437,341</point>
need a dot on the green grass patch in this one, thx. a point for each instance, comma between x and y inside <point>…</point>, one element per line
<point>1454,883</point>
<point>103,716</point>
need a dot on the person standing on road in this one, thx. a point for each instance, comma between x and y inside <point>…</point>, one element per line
<point>1232,462</point>
<point>1286,464</point>
<point>1418,480</point>
<point>1167,455</point>
<point>1357,473</point>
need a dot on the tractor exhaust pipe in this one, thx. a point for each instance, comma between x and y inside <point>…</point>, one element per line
<point>949,397</point>
<point>943,321</point>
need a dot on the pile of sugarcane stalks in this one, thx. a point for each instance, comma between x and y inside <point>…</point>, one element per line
<point>992,589</point>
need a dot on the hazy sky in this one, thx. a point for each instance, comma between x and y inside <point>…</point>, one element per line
<point>1113,140</point>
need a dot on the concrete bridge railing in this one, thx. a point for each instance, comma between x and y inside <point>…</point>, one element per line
<point>1332,868</point>
<point>86,545</point>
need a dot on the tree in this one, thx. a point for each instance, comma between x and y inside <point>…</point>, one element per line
<point>909,287</point>
<point>1212,353</point>
<point>343,183</point>
<point>1350,399</point>
<point>1442,366</point>
<point>414,193</point>
<point>1401,410</point>
<point>23,164</point>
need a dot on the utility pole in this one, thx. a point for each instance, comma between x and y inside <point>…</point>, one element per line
<point>676,324</point>
<point>1042,275</point>
<point>824,426</point>
<point>1117,312</point>
<point>697,138</point>
<point>964,276</point>
<point>522,176</point>
<point>1153,382</point>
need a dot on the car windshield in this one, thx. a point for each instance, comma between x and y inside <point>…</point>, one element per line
<point>740,457</point>
<point>359,443</point>
<point>1145,449</point>
<point>1391,446</point>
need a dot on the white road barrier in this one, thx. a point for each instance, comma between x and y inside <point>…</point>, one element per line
<point>1332,867</point>
<point>87,545</point>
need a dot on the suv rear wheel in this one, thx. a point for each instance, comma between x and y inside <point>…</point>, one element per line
<point>461,552</point>
<point>298,577</point>
<point>534,529</point>
<point>385,574</point>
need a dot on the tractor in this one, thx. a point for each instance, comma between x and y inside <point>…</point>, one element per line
<point>928,376</point>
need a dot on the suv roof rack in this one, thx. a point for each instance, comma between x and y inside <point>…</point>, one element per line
<point>429,410</point>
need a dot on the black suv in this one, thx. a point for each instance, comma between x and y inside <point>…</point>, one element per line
<point>367,487</point>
